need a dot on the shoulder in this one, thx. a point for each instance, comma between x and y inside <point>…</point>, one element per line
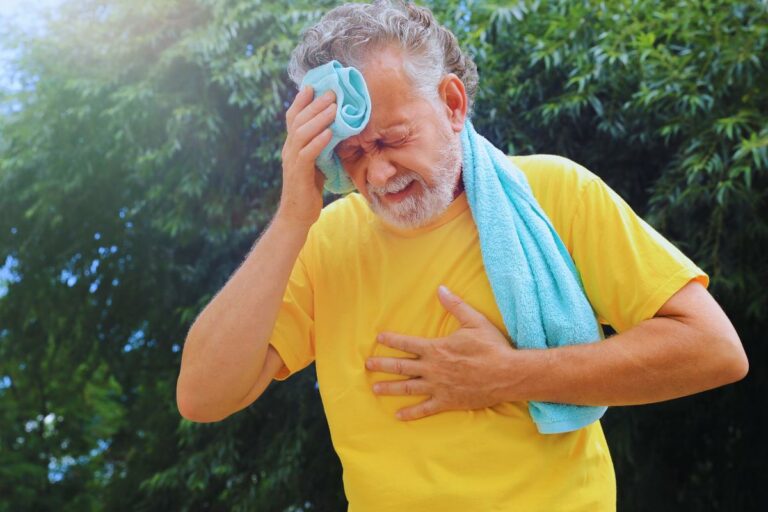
<point>559,186</point>
<point>341,225</point>
<point>548,173</point>
<point>345,212</point>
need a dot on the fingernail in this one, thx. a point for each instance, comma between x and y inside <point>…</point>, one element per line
<point>444,290</point>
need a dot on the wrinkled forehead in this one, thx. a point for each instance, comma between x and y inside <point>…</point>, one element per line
<point>394,99</point>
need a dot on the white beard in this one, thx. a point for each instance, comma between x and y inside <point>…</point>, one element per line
<point>418,209</point>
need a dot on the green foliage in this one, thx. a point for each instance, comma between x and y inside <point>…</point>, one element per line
<point>136,173</point>
<point>141,161</point>
<point>667,102</point>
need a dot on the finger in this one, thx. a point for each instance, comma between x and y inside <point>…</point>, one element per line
<point>411,344</point>
<point>308,131</point>
<point>418,411</point>
<point>317,106</point>
<point>302,99</point>
<point>395,365</point>
<point>402,387</point>
<point>463,312</point>
<point>312,150</point>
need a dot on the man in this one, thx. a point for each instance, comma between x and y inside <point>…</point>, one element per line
<point>386,292</point>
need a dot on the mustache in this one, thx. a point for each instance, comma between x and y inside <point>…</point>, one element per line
<point>395,184</point>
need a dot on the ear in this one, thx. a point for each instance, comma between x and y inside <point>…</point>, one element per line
<point>454,99</point>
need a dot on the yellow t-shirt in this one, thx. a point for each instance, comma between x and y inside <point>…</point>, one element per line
<point>356,277</point>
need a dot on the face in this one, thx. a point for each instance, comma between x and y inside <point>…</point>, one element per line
<point>407,161</point>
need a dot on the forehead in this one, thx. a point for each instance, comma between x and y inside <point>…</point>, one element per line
<point>394,101</point>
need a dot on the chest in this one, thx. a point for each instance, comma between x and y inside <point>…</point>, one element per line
<point>390,284</point>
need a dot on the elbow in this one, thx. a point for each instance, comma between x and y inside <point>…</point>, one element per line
<point>186,407</point>
<point>740,367</point>
<point>734,358</point>
<point>190,409</point>
<point>191,402</point>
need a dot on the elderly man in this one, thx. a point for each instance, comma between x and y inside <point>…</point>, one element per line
<point>385,290</point>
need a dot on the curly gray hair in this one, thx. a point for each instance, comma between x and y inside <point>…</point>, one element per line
<point>351,31</point>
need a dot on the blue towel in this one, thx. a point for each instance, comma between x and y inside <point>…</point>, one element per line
<point>352,115</point>
<point>534,280</point>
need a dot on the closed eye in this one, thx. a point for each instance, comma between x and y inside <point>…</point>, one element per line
<point>348,154</point>
<point>399,141</point>
<point>392,143</point>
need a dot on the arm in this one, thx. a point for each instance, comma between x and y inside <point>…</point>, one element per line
<point>227,344</point>
<point>223,363</point>
<point>684,345</point>
<point>689,346</point>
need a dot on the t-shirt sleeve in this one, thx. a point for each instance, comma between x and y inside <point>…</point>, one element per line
<point>628,269</point>
<point>294,334</point>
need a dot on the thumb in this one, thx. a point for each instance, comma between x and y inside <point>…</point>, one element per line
<point>464,313</point>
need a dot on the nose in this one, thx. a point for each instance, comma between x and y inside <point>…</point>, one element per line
<point>380,170</point>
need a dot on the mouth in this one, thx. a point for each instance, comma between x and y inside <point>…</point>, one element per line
<point>401,194</point>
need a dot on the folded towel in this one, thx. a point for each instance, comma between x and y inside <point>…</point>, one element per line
<point>352,115</point>
<point>534,280</point>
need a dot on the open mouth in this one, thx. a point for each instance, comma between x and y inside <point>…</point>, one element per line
<point>397,196</point>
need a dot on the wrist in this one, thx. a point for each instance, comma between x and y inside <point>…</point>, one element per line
<point>286,222</point>
<point>527,372</point>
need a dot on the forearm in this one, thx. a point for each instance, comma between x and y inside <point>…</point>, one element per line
<point>225,348</point>
<point>659,359</point>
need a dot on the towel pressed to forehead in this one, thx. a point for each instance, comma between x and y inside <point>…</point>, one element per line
<point>352,115</point>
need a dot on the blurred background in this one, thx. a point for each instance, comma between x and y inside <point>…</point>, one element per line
<point>140,159</point>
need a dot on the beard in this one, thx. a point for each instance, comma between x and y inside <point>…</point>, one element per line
<point>419,208</point>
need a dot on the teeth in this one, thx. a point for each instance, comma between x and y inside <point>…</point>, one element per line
<point>397,185</point>
<point>400,189</point>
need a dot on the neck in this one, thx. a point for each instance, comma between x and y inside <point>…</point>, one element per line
<point>459,187</point>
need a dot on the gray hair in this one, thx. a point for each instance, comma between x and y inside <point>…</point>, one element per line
<point>351,31</point>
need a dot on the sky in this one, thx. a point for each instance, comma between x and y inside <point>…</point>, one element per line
<point>26,15</point>
<point>24,11</point>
